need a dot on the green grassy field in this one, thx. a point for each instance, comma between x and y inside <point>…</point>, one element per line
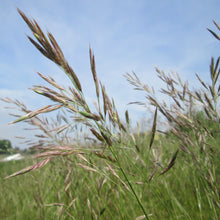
<point>64,190</point>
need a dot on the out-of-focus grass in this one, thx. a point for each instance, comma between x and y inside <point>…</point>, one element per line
<point>63,190</point>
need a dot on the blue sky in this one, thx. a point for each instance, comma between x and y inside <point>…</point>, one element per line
<point>132,35</point>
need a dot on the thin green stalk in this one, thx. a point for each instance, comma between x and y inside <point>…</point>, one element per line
<point>130,185</point>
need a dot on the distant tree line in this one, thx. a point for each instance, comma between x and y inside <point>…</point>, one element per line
<point>5,146</point>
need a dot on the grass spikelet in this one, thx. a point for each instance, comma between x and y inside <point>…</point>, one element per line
<point>171,163</point>
<point>127,118</point>
<point>209,102</point>
<point>95,78</point>
<point>86,167</point>
<point>97,135</point>
<point>68,186</point>
<point>136,82</point>
<point>201,81</point>
<point>90,116</point>
<point>45,109</point>
<point>56,153</point>
<point>60,60</point>
<point>198,95</point>
<point>153,131</point>
<point>105,157</point>
<point>116,175</point>
<point>107,138</point>
<point>69,71</point>
<point>41,49</point>
<point>214,70</point>
<point>83,158</point>
<point>28,22</point>
<point>105,107</point>
<point>107,103</point>
<point>153,173</point>
<point>72,202</point>
<point>67,177</point>
<point>52,52</point>
<point>56,98</point>
<point>78,98</point>
<point>28,169</point>
<point>50,81</point>
<point>207,113</point>
<point>214,34</point>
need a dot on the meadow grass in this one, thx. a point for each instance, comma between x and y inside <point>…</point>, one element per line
<point>63,190</point>
<point>120,174</point>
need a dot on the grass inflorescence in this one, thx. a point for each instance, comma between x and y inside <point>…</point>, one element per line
<point>117,174</point>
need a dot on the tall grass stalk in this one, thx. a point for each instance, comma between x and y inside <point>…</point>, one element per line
<point>98,123</point>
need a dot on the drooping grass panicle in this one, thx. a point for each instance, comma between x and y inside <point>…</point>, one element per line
<point>98,125</point>
<point>181,113</point>
<point>50,49</point>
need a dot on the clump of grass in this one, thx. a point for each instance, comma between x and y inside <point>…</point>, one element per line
<point>105,124</point>
<point>191,128</point>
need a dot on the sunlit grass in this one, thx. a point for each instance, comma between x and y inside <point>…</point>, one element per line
<point>64,190</point>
